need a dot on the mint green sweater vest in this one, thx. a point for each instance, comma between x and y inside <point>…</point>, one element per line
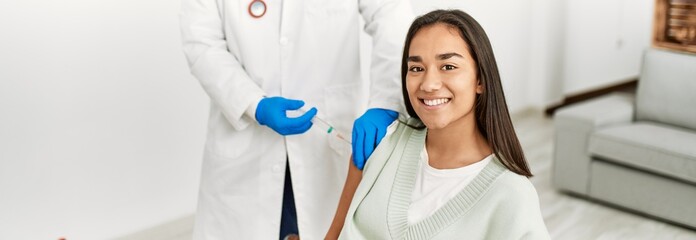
<point>497,204</point>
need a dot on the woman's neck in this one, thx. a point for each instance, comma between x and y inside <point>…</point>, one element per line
<point>457,145</point>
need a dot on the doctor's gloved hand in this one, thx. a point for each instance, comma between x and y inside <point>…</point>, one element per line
<point>271,112</point>
<point>368,131</point>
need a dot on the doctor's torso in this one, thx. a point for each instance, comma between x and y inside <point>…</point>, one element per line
<point>304,49</point>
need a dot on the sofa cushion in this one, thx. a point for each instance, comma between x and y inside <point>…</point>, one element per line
<point>666,88</point>
<point>650,146</point>
<point>644,192</point>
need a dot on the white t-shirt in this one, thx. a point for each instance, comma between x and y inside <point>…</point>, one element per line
<point>434,187</point>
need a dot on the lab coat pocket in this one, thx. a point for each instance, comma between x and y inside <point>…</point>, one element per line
<point>229,177</point>
<point>226,141</point>
<point>343,105</point>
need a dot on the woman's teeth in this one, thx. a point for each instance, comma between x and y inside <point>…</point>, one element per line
<point>435,102</point>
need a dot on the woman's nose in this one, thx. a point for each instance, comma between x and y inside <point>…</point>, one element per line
<point>431,82</point>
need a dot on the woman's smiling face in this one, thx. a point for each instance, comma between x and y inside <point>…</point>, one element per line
<point>441,80</point>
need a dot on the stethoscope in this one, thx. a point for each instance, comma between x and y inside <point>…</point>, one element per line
<point>257,8</point>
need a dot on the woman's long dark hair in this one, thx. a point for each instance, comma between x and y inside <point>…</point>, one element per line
<point>492,116</point>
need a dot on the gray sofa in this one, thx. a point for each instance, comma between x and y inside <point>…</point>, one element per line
<point>636,152</point>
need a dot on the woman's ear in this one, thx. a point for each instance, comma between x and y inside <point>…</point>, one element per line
<point>479,87</point>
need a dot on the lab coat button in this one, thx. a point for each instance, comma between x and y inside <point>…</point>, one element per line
<point>283,41</point>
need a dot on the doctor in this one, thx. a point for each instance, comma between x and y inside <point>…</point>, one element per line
<point>260,59</point>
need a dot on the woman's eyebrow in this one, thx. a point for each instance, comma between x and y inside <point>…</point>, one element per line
<point>414,59</point>
<point>439,56</point>
<point>448,55</point>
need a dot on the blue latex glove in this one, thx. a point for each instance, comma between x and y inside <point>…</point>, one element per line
<point>368,131</point>
<point>271,112</point>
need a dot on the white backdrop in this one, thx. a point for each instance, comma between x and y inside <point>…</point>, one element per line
<point>102,126</point>
<point>604,42</point>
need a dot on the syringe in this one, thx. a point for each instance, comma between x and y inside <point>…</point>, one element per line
<point>325,126</point>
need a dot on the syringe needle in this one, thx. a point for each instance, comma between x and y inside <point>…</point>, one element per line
<point>340,136</point>
<point>329,128</point>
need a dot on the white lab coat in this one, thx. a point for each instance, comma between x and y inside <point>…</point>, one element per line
<point>300,49</point>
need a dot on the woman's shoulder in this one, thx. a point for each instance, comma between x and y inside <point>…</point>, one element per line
<point>517,201</point>
<point>516,186</point>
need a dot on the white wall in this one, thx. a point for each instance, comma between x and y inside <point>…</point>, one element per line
<point>544,87</point>
<point>604,42</point>
<point>101,125</point>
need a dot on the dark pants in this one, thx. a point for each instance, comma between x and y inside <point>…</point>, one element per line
<point>288,219</point>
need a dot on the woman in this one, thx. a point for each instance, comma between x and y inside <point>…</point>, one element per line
<point>455,169</point>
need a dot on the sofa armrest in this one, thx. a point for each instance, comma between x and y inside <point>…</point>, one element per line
<point>573,126</point>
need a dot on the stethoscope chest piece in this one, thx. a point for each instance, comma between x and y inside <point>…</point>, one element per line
<point>257,8</point>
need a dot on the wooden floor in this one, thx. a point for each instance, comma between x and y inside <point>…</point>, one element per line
<point>566,217</point>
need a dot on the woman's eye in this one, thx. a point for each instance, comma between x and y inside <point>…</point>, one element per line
<point>415,69</point>
<point>448,67</point>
